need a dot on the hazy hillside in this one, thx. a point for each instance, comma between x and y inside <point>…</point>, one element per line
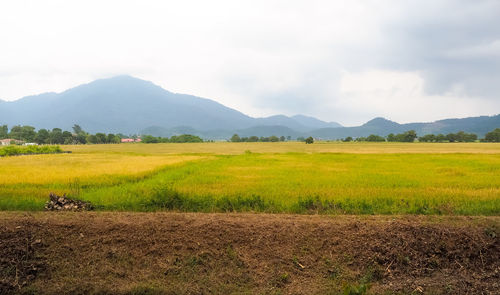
<point>381,126</point>
<point>313,122</point>
<point>129,105</point>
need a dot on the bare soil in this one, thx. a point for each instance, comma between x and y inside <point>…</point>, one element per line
<point>196,253</point>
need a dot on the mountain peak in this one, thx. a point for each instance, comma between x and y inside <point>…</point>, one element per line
<point>121,79</point>
<point>380,122</point>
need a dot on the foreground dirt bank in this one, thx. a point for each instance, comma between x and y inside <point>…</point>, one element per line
<point>179,253</point>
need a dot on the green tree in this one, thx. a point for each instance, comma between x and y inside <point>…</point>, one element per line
<point>16,132</point>
<point>185,138</point>
<point>273,138</point>
<point>101,137</point>
<point>67,137</point>
<point>451,137</point>
<point>149,139</point>
<point>111,138</point>
<point>440,138</point>
<point>409,136</point>
<point>81,138</point>
<point>309,140</point>
<point>253,139</point>
<point>4,131</point>
<point>77,129</point>
<point>26,133</point>
<point>427,138</point>
<point>470,137</point>
<point>56,136</point>
<point>235,138</point>
<point>376,138</point>
<point>347,139</point>
<point>493,136</point>
<point>91,138</point>
<point>42,136</point>
<point>282,138</point>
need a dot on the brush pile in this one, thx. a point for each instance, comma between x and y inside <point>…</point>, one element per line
<point>58,203</point>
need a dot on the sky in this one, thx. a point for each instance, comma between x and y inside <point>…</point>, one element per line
<point>342,61</point>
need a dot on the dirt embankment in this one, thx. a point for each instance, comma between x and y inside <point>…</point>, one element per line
<point>170,253</point>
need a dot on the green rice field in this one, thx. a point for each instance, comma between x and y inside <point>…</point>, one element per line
<point>325,178</point>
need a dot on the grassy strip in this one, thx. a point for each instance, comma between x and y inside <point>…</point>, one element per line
<point>324,183</point>
<point>29,150</point>
<point>319,183</point>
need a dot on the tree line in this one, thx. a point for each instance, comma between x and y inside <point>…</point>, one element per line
<point>272,138</point>
<point>56,135</point>
<point>411,136</point>
<point>79,136</point>
<point>174,139</point>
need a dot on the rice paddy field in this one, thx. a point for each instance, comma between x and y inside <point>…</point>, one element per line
<point>289,177</point>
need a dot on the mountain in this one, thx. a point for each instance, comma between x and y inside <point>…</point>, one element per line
<point>129,105</point>
<point>314,123</point>
<point>383,127</point>
<point>120,104</point>
<point>125,104</point>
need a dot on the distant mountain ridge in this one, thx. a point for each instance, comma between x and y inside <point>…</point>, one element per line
<point>380,126</point>
<point>128,105</point>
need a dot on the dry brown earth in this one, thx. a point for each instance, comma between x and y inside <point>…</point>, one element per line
<point>184,253</point>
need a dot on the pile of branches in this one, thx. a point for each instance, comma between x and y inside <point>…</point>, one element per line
<point>58,203</point>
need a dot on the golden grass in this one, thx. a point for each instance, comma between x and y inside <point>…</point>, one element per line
<point>230,148</point>
<point>391,178</point>
<point>65,168</point>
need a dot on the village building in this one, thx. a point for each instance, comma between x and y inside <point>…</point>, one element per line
<point>130,140</point>
<point>9,141</point>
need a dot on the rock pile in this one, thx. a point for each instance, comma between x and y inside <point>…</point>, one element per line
<point>58,203</point>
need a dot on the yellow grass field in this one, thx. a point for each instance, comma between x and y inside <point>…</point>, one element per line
<point>324,177</point>
<point>230,148</point>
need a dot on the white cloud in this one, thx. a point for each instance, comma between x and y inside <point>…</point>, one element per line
<point>261,57</point>
<point>400,96</point>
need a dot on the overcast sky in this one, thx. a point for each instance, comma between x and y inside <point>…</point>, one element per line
<point>344,61</point>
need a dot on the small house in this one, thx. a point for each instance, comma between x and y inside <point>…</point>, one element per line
<point>130,140</point>
<point>9,141</point>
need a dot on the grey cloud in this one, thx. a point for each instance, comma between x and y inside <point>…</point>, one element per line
<point>443,41</point>
<point>268,56</point>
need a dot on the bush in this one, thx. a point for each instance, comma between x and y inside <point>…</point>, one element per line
<point>29,150</point>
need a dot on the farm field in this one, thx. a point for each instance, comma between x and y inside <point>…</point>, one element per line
<point>373,218</point>
<point>290,177</point>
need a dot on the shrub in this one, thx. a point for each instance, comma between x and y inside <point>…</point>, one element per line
<point>29,150</point>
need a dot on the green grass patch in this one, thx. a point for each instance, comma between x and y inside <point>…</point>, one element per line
<point>29,150</point>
